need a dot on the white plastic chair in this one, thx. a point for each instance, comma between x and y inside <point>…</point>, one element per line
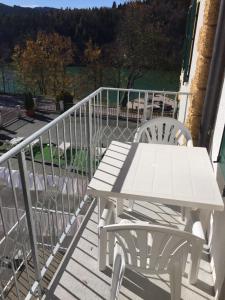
<point>107,239</point>
<point>151,249</point>
<point>166,131</point>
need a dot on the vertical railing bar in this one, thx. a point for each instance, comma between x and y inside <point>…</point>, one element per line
<point>153,100</point>
<point>98,131</point>
<point>64,142</point>
<point>118,106</point>
<point>86,146</point>
<point>175,104</point>
<point>26,264</point>
<point>94,112</point>
<point>3,218</point>
<point>76,152</point>
<point>139,102</point>
<point>81,151</point>
<point>60,173</point>
<point>145,106</point>
<point>94,134</point>
<point>72,161</point>
<point>41,232</point>
<point>56,216</point>
<point>97,123</point>
<point>43,163</point>
<point>66,171</point>
<point>15,280</point>
<point>34,174</point>
<point>51,154</point>
<point>89,141</point>
<point>29,214</point>
<point>107,107</point>
<point>71,141</point>
<point>49,226</point>
<point>58,151</point>
<point>128,100</point>
<point>101,117</point>
<point>163,106</point>
<point>14,191</point>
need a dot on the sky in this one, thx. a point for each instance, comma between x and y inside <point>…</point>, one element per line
<point>61,3</point>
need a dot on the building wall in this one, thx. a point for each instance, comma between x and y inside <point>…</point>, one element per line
<point>202,52</point>
<point>217,240</point>
<point>201,58</point>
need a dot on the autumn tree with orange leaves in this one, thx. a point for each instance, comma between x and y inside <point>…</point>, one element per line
<point>42,63</point>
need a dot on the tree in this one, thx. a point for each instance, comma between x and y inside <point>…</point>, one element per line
<point>42,63</point>
<point>4,55</point>
<point>92,55</point>
<point>138,43</point>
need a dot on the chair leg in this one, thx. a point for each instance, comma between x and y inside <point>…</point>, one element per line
<point>119,206</point>
<point>102,249</point>
<point>111,247</point>
<point>131,205</point>
<point>117,277</point>
<point>196,253</point>
<point>183,214</point>
<point>175,283</point>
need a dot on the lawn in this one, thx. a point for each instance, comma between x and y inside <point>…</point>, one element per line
<point>77,159</point>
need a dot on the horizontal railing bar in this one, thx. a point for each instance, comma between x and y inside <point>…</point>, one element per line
<point>44,129</point>
<point>144,91</point>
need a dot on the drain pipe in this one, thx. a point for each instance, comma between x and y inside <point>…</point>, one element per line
<point>215,82</point>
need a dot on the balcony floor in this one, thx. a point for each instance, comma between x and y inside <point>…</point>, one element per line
<point>78,276</point>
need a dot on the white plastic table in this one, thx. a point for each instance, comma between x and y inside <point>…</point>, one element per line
<point>176,175</point>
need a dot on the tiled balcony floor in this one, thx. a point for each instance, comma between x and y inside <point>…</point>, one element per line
<point>78,276</point>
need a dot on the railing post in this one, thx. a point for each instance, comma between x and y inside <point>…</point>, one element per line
<point>145,107</point>
<point>29,216</point>
<point>89,139</point>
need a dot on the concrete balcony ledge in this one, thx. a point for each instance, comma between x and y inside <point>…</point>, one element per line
<point>78,276</point>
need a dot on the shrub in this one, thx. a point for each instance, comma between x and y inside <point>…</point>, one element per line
<point>28,101</point>
<point>67,99</point>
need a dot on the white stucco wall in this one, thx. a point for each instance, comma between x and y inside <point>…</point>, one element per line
<point>217,240</point>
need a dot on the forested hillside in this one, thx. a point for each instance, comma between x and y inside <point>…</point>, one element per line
<point>102,26</point>
<point>133,38</point>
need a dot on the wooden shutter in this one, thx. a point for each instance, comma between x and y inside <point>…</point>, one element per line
<point>192,18</point>
<point>221,158</point>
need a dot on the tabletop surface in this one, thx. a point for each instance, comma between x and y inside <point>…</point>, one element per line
<point>168,174</point>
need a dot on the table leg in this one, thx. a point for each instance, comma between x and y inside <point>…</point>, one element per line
<point>205,219</point>
<point>102,239</point>
<point>101,206</point>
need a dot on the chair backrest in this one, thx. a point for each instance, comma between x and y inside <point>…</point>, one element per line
<point>163,130</point>
<point>151,248</point>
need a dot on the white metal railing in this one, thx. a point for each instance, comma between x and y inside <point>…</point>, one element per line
<point>43,179</point>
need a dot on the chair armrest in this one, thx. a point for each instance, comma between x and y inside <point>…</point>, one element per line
<point>189,143</point>
<point>197,228</point>
<point>108,215</point>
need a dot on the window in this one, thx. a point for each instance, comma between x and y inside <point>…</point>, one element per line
<point>221,158</point>
<point>192,19</point>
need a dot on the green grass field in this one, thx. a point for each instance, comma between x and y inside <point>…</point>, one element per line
<point>78,159</point>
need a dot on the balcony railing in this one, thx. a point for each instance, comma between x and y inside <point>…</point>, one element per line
<point>43,179</point>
